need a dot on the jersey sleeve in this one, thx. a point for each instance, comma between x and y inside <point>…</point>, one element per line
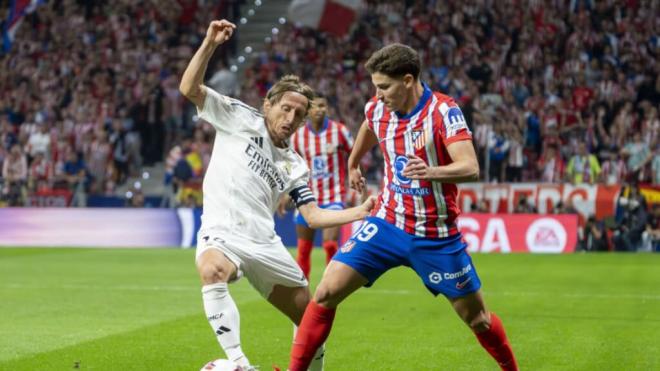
<point>221,111</point>
<point>299,172</point>
<point>346,138</point>
<point>453,127</point>
<point>369,111</point>
<point>299,190</point>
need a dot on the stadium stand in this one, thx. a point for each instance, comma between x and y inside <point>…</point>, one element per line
<point>552,89</point>
<point>95,85</point>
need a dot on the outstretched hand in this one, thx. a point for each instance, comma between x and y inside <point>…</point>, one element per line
<point>356,181</point>
<point>219,31</point>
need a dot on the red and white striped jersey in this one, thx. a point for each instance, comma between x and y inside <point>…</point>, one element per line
<point>326,153</point>
<point>419,207</point>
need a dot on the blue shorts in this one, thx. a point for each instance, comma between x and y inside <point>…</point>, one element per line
<point>443,264</point>
<point>299,220</point>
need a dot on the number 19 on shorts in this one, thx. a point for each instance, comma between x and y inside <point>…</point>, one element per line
<point>366,232</point>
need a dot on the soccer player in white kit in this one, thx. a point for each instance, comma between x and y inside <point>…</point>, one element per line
<point>251,167</point>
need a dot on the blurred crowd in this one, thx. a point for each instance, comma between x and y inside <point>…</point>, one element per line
<point>89,92</point>
<point>554,90</point>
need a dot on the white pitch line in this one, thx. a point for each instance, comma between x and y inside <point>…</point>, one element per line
<point>575,295</point>
<point>532,293</point>
<point>67,286</point>
<point>367,290</point>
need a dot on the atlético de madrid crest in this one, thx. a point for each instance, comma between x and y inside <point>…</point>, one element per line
<point>418,138</point>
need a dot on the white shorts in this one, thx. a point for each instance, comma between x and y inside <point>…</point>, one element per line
<point>264,265</point>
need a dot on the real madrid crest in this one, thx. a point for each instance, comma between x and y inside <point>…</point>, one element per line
<point>287,168</point>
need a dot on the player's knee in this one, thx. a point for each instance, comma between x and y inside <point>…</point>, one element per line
<point>212,273</point>
<point>326,297</point>
<point>479,323</point>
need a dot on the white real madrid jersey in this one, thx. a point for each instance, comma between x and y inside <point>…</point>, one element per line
<point>247,174</point>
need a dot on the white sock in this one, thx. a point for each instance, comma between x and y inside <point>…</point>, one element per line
<point>319,356</point>
<point>222,314</point>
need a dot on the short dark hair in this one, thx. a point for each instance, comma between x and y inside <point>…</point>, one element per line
<point>319,95</point>
<point>395,60</point>
<point>290,83</point>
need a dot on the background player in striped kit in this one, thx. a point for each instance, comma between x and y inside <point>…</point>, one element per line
<point>427,148</point>
<point>325,145</point>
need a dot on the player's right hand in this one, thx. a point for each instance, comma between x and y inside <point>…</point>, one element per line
<point>219,31</point>
<point>369,204</point>
<point>355,180</point>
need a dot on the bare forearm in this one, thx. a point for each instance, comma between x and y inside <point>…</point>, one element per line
<point>333,218</point>
<point>320,218</point>
<point>193,77</point>
<point>456,172</point>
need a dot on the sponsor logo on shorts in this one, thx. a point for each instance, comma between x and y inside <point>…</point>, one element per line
<point>348,246</point>
<point>459,274</point>
<point>435,277</point>
<point>461,285</point>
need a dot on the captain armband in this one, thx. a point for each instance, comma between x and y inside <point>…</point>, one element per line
<point>302,195</point>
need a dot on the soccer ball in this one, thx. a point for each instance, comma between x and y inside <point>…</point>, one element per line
<point>221,365</point>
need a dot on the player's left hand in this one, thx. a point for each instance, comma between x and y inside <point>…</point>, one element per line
<point>283,205</point>
<point>356,180</point>
<point>416,168</point>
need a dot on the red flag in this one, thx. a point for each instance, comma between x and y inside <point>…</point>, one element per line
<point>332,16</point>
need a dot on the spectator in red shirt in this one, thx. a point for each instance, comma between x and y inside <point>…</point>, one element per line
<point>582,95</point>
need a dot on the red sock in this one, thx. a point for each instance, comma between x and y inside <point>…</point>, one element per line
<point>312,333</point>
<point>495,342</point>
<point>330,248</point>
<point>304,255</point>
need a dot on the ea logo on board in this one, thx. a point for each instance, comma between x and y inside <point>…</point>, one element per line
<point>400,163</point>
<point>546,235</point>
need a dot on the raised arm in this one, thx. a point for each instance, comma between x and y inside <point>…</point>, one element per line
<point>192,81</point>
<point>365,140</point>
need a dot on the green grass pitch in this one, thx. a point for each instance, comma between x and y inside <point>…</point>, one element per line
<point>140,309</point>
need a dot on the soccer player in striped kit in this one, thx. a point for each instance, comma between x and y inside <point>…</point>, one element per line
<point>325,145</point>
<point>427,149</point>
